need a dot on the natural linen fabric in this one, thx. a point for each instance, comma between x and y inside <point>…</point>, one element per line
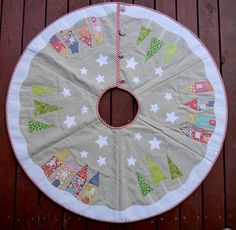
<point>88,167</point>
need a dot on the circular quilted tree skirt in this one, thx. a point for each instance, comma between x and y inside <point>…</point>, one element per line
<point>127,173</point>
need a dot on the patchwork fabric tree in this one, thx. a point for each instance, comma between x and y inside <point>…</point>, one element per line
<point>156,173</point>
<point>42,108</point>
<point>35,126</point>
<point>155,45</point>
<point>174,170</point>
<point>172,49</point>
<point>144,186</point>
<point>38,90</point>
<point>143,33</point>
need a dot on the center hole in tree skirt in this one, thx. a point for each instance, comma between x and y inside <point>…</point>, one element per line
<point>117,107</point>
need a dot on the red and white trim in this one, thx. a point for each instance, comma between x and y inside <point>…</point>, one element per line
<point>103,213</point>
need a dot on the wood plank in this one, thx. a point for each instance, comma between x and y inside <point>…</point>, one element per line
<point>11,36</point>
<point>149,224</point>
<point>105,107</point>
<point>228,49</point>
<point>76,4</point>
<point>72,221</point>
<point>213,186</point>
<point>122,107</point>
<point>170,219</point>
<point>27,194</point>
<point>50,213</point>
<point>191,208</point>
<point>93,224</point>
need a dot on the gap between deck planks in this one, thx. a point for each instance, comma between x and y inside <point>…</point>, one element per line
<point>24,207</point>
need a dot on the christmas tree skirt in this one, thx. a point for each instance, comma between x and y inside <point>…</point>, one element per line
<point>127,173</point>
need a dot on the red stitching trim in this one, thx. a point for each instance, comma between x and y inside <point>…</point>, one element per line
<point>145,217</point>
<point>118,82</point>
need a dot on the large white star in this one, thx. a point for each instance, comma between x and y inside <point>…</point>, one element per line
<point>171,117</point>
<point>131,63</point>
<point>154,108</point>
<point>70,120</point>
<point>101,141</point>
<point>66,92</point>
<point>102,60</point>
<point>101,161</point>
<point>100,78</point>
<point>84,154</point>
<point>154,143</point>
<point>136,80</point>
<point>137,136</point>
<point>131,161</point>
<point>84,71</point>
<point>84,109</point>
<point>168,96</point>
<point>158,71</point>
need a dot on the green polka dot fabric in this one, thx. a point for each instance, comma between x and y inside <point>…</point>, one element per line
<point>116,174</point>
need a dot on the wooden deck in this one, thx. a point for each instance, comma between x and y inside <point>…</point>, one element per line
<point>212,206</point>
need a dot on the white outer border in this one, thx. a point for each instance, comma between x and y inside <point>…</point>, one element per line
<point>136,212</point>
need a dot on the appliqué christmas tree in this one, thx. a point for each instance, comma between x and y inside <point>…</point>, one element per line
<point>35,126</point>
<point>175,172</point>
<point>143,33</point>
<point>156,173</point>
<point>155,46</point>
<point>38,90</point>
<point>172,49</point>
<point>144,186</point>
<point>42,108</point>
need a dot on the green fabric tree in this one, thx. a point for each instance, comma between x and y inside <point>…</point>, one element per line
<point>172,49</point>
<point>174,170</point>
<point>144,186</point>
<point>156,173</point>
<point>38,90</point>
<point>155,45</point>
<point>35,126</point>
<point>41,108</point>
<point>143,33</point>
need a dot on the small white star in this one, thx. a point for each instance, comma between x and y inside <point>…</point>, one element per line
<point>131,63</point>
<point>168,96</point>
<point>101,141</point>
<point>84,71</point>
<point>70,120</point>
<point>154,108</point>
<point>171,117</point>
<point>101,161</point>
<point>131,161</point>
<point>84,109</point>
<point>84,154</point>
<point>136,80</point>
<point>66,92</point>
<point>155,144</point>
<point>100,78</point>
<point>102,60</point>
<point>158,71</point>
<point>137,136</point>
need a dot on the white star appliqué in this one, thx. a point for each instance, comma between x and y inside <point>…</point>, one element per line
<point>101,141</point>
<point>154,143</point>
<point>84,154</point>
<point>102,60</point>
<point>154,108</point>
<point>171,117</point>
<point>101,161</point>
<point>136,80</point>
<point>84,71</point>
<point>84,109</point>
<point>70,120</point>
<point>137,136</point>
<point>158,71</point>
<point>131,63</point>
<point>100,78</point>
<point>168,96</point>
<point>66,92</point>
<point>131,161</point>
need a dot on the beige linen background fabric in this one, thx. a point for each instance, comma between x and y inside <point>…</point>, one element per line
<point>119,168</point>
